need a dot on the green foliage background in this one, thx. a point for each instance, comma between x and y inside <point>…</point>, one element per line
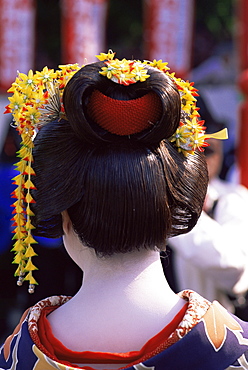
<point>214,24</point>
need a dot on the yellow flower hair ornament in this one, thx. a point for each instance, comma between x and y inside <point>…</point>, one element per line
<point>124,71</point>
<point>190,135</point>
<point>36,100</point>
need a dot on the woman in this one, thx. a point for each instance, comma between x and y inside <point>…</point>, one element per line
<point>222,224</point>
<point>119,169</point>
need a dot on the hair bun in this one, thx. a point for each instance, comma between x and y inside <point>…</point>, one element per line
<point>100,110</point>
<point>124,117</point>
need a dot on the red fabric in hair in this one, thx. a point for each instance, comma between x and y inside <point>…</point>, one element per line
<point>124,117</point>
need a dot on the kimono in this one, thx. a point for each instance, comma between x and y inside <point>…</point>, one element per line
<point>207,338</point>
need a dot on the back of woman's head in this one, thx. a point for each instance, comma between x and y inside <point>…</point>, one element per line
<point>125,186</point>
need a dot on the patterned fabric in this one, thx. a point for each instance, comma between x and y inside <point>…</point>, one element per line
<point>208,337</point>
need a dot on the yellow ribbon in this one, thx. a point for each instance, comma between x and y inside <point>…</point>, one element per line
<point>220,135</point>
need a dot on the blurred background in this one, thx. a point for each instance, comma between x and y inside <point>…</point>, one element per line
<point>204,41</point>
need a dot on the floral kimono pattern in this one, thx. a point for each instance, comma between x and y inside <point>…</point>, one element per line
<point>207,338</point>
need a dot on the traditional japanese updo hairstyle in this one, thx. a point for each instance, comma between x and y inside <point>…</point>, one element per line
<point>122,191</point>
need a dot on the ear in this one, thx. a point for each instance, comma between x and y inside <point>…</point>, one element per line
<point>66,222</point>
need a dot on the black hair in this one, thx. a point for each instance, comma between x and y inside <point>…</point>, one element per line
<point>121,193</point>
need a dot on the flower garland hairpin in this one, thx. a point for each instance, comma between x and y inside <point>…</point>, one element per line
<point>123,71</point>
<point>190,135</point>
<point>37,99</point>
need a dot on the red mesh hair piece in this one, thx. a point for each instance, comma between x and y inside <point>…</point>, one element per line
<point>124,117</point>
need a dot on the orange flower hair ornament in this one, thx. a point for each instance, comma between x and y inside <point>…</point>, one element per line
<point>37,99</point>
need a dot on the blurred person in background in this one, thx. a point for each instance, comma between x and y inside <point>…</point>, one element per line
<point>114,178</point>
<point>52,255</point>
<point>212,259</point>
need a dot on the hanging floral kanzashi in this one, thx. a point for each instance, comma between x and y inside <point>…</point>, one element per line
<point>37,99</point>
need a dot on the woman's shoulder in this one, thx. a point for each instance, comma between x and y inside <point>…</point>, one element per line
<point>216,340</point>
<point>23,338</point>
